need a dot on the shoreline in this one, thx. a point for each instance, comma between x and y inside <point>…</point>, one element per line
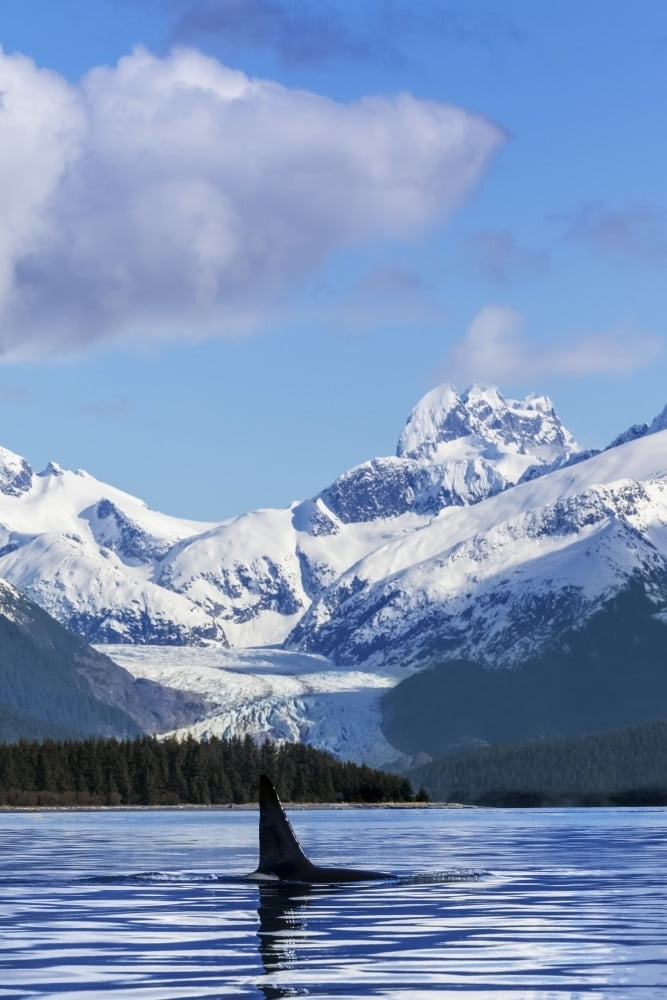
<point>240,807</point>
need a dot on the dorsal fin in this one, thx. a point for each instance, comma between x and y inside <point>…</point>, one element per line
<point>280,853</point>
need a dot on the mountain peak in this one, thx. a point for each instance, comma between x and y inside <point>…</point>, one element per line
<point>483,421</point>
<point>52,469</point>
<point>15,474</point>
<point>659,423</point>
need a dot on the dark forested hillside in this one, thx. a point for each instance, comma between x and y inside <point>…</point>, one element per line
<point>610,673</point>
<point>53,684</point>
<point>149,772</point>
<point>15,725</point>
<point>627,766</point>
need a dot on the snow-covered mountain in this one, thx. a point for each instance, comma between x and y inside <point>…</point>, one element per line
<point>481,423</point>
<point>106,565</point>
<point>484,535</point>
<point>86,553</point>
<point>454,450</point>
<point>487,536</point>
<point>496,581</point>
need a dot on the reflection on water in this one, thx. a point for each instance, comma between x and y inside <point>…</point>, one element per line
<point>281,922</point>
<point>299,927</point>
<point>150,906</point>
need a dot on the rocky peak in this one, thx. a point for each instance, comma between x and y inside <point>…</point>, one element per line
<point>660,422</point>
<point>15,474</point>
<point>52,469</point>
<point>485,423</point>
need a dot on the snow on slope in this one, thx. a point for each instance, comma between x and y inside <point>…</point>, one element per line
<point>497,580</point>
<point>273,693</point>
<point>103,563</point>
<point>257,573</point>
<point>86,552</point>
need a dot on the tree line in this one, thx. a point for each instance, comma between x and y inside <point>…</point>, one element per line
<point>619,767</point>
<point>146,771</point>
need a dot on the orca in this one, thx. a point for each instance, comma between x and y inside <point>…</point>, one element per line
<point>280,854</point>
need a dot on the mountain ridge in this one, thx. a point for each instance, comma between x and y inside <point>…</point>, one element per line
<point>502,541</point>
<point>486,497</point>
<point>101,562</point>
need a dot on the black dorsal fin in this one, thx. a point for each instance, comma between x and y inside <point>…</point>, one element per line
<point>280,853</point>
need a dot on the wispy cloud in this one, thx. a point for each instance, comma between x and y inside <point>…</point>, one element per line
<point>106,409</point>
<point>313,31</point>
<point>300,33</point>
<point>385,296</point>
<point>495,349</point>
<point>393,281</point>
<point>455,25</point>
<point>14,395</point>
<point>494,255</point>
<point>178,198</point>
<point>638,232</point>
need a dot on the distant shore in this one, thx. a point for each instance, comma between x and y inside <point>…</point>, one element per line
<point>239,807</point>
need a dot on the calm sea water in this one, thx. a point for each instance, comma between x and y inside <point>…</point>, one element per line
<point>151,905</point>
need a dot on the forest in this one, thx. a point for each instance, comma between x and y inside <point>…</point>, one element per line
<point>607,674</point>
<point>619,767</point>
<point>148,772</point>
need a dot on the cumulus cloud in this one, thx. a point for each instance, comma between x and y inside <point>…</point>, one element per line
<point>638,232</point>
<point>496,349</point>
<point>494,255</point>
<point>178,198</point>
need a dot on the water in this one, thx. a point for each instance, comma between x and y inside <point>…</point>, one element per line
<point>150,906</point>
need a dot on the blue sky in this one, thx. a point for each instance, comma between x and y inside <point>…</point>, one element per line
<point>241,238</point>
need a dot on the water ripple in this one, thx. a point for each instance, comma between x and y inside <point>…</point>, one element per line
<point>542,905</point>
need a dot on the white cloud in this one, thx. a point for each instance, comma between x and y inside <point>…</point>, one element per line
<point>178,198</point>
<point>495,349</point>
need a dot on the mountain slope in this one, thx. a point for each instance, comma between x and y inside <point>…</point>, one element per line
<point>608,673</point>
<point>496,581</point>
<point>15,726</point>
<point>624,766</point>
<point>51,683</point>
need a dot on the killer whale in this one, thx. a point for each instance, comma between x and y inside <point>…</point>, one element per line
<point>280,854</point>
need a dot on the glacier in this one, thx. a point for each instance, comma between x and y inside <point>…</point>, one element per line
<point>269,693</point>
